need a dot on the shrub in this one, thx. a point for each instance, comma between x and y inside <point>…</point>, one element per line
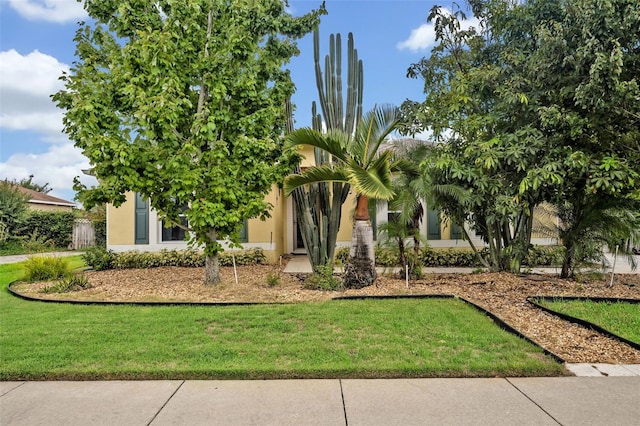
<point>384,256</point>
<point>99,258</point>
<point>248,257</point>
<point>13,211</point>
<point>36,243</point>
<point>387,256</point>
<point>341,255</point>
<point>273,280</point>
<point>184,258</point>
<point>323,279</point>
<point>98,217</point>
<point>42,268</point>
<point>448,257</point>
<point>458,257</point>
<point>544,256</point>
<point>75,282</point>
<point>54,226</point>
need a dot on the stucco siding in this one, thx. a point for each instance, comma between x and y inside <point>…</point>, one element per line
<point>120,223</point>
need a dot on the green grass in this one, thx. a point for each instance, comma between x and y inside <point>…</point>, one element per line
<point>620,318</point>
<point>355,338</point>
<point>10,248</point>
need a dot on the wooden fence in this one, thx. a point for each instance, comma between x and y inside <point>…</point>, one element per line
<point>83,234</point>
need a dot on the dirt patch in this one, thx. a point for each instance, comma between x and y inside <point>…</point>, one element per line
<point>502,294</point>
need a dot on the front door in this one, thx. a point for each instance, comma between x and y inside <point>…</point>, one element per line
<point>298,242</point>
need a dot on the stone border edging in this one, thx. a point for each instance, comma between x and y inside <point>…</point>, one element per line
<point>585,323</point>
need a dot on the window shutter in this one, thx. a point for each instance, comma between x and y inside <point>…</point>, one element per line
<point>141,220</point>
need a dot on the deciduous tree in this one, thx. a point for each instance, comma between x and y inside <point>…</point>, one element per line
<point>182,101</point>
<point>539,103</point>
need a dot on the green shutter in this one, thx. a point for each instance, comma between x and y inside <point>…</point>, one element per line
<point>141,220</point>
<point>244,232</point>
<point>433,224</point>
<point>456,232</point>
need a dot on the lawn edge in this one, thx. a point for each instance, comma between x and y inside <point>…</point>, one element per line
<point>496,319</point>
<point>533,300</point>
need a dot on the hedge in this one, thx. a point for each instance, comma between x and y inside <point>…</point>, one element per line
<point>56,227</point>
<point>457,257</point>
<point>99,258</point>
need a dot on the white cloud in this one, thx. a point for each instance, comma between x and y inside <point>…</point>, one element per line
<point>424,37</point>
<point>58,11</point>
<point>26,83</point>
<point>58,166</point>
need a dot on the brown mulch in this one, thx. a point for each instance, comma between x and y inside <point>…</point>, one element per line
<point>502,294</point>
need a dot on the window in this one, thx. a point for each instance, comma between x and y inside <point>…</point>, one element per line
<point>393,216</point>
<point>174,233</point>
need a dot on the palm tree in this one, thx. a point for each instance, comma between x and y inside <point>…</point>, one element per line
<point>412,190</point>
<point>357,160</point>
<point>585,229</point>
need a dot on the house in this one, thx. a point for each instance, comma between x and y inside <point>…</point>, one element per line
<point>136,226</point>
<point>45,202</point>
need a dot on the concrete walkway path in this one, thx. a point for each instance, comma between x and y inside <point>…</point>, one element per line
<point>495,401</point>
<point>22,257</point>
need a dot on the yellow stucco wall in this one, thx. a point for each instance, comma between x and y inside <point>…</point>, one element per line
<point>308,158</point>
<point>346,223</point>
<point>121,222</point>
<point>269,232</point>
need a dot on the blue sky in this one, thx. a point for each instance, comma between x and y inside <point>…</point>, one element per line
<point>36,45</point>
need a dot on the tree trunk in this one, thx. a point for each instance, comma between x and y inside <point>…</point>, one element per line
<point>211,264</point>
<point>567,260</point>
<point>362,209</point>
<point>360,270</point>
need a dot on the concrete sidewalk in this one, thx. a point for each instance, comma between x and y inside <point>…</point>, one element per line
<point>497,401</point>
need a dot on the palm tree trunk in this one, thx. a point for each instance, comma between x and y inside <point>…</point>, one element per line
<point>403,257</point>
<point>360,270</point>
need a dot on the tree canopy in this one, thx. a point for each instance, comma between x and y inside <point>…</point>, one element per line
<point>182,101</point>
<point>30,184</point>
<point>539,103</point>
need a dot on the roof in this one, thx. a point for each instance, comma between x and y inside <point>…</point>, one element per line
<point>36,197</point>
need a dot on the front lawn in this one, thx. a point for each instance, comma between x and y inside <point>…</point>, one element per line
<point>354,338</point>
<point>620,318</point>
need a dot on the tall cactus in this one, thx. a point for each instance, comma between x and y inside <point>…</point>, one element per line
<point>319,209</point>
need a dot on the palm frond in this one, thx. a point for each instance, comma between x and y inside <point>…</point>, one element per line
<point>457,192</point>
<point>334,142</point>
<point>407,167</point>
<point>375,180</point>
<point>316,174</point>
<point>372,130</point>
